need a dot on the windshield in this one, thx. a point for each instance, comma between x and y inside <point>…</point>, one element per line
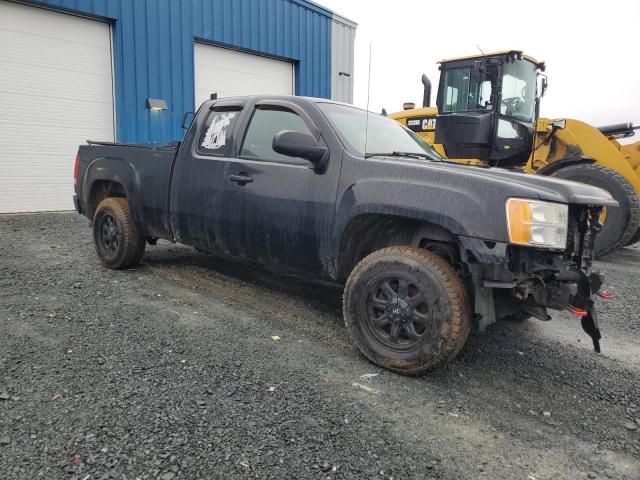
<point>382,135</point>
<point>519,90</point>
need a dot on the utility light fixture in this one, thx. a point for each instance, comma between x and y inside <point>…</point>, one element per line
<point>156,104</point>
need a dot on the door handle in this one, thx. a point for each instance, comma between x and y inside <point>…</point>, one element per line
<point>241,179</point>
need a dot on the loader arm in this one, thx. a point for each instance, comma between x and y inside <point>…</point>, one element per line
<point>586,140</point>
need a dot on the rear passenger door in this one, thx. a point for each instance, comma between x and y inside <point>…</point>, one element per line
<point>277,210</point>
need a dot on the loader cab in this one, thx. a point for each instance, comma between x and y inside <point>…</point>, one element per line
<point>488,106</point>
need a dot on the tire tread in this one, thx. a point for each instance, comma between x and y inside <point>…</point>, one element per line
<point>457,327</point>
<point>134,243</point>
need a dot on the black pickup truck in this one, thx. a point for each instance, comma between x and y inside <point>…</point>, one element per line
<point>324,190</point>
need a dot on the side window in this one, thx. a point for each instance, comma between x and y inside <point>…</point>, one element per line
<point>456,94</point>
<point>484,95</point>
<point>265,124</point>
<point>215,137</point>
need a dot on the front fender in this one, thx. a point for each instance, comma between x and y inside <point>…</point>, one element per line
<point>449,207</point>
<point>441,206</point>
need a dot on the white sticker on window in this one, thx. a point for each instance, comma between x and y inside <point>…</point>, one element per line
<point>216,135</point>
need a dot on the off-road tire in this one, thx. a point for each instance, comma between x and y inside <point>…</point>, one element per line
<point>131,244</point>
<point>622,222</point>
<point>448,303</point>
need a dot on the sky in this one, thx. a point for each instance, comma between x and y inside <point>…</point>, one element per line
<point>589,47</point>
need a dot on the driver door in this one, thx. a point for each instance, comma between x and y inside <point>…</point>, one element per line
<point>277,210</point>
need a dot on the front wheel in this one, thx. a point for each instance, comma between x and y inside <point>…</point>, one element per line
<point>117,241</point>
<point>406,309</point>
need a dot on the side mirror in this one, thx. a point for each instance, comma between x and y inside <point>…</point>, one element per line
<point>187,119</point>
<point>543,84</point>
<point>303,145</point>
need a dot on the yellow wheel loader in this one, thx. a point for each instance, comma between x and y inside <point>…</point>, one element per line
<point>487,114</point>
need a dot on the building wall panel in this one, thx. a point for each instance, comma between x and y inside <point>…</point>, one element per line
<point>154,43</point>
<point>343,34</point>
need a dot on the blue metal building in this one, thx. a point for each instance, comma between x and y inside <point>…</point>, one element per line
<point>153,50</point>
<point>127,70</point>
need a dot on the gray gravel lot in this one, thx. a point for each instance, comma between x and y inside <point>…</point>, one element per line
<point>170,371</point>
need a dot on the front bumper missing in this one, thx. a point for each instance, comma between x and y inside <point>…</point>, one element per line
<point>575,297</point>
<point>511,279</point>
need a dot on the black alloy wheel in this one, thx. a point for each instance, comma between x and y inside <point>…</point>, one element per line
<point>399,314</point>
<point>116,237</point>
<point>406,309</point>
<point>110,236</point>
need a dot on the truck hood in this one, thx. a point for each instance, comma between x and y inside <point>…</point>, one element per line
<point>465,200</point>
<point>514,184</point>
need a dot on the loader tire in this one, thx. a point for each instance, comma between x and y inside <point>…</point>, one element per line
<point>635,239</point>
<point>117,241</point>
<point>406,310</point>
<point>621,222</point>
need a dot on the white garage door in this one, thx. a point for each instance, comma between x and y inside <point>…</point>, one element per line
<point>229,72</point>
<point>56,91</point>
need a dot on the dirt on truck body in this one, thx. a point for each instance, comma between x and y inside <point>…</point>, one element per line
<point>323,190</point>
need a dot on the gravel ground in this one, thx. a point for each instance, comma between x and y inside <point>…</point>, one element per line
<point>171,371</point>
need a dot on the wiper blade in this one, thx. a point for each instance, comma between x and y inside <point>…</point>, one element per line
<point>413,154</point>
<point>401,154</point>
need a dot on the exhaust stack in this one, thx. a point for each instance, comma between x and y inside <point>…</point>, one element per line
<point>426,98</point>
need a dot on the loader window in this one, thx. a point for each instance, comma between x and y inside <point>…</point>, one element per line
<point>456,93</point>
<point>463,95</point>
<point>519,83</point>
<point>484,95</point>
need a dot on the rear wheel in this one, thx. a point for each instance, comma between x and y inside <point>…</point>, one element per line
<point>622,222</point>
<point>406,309</point>
<point>117,241</point>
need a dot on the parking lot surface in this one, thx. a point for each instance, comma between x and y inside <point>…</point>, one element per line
<point>190,367</point>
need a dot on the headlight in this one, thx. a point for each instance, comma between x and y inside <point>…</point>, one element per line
<point>537,224</point>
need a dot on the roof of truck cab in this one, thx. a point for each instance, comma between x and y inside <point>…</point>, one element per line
<point>493,54</point>
<point>247,99</point>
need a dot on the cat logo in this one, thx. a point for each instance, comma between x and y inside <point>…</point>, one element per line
<point>421,124</point>
<point>428,124</point>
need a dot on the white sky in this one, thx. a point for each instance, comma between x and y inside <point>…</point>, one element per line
<point>590,49</point>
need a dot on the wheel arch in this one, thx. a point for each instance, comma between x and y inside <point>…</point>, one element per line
<point>101,189</point>
<point>371,231</point>
<point>550,168</point>
<point>110,176</point>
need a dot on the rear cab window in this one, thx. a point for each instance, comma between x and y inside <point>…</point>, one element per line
<point>216,136</point>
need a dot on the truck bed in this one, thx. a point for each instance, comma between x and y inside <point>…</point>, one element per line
<point>135,166</point>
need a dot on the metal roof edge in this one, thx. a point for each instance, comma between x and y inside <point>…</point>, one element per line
<point>325,11</point>
<point>345,21</point>
<point>316,7</point>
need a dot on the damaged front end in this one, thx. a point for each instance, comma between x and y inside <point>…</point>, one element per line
<point>514,280</point>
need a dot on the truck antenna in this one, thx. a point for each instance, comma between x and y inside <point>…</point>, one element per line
<point>480,49</point>
<point>366,127</point>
